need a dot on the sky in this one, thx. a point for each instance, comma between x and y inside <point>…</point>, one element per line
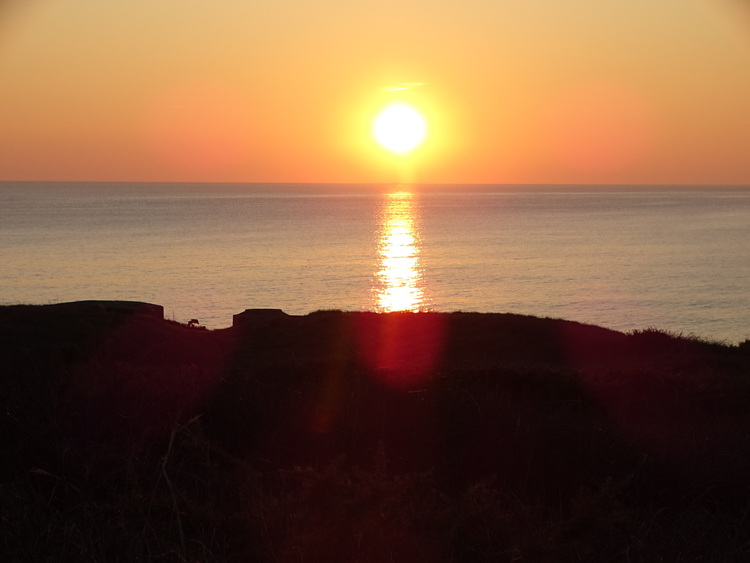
<point>533,91</point>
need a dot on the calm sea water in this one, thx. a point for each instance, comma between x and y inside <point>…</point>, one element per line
<point>626,258</point>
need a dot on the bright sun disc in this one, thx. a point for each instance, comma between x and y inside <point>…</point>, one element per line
<point>399,128</point>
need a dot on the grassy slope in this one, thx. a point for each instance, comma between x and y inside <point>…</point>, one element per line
<point>362,437</point>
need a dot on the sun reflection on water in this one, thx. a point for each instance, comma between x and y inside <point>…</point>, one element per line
<point>400,283</point>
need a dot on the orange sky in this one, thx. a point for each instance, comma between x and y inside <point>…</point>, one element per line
<point>540,91</point>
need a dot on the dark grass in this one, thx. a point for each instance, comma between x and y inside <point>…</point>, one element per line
<point>360,437</point>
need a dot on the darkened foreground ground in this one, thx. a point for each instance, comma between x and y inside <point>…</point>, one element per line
<point>356,437</point>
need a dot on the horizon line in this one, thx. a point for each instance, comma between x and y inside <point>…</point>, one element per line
<point>381,184</point>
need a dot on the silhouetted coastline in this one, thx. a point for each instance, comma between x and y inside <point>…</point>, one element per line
<point>354,436</point>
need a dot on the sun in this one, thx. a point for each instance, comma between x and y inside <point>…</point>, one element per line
<point>399,128</point>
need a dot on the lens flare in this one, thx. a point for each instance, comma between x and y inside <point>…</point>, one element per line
<point>401,345</point>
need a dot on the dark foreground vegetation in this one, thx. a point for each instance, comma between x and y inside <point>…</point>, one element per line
<point>356,437</point>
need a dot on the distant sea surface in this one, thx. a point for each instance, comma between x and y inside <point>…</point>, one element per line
<point>621,257</point>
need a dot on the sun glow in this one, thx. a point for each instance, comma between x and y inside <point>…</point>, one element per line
<point>399,128</point>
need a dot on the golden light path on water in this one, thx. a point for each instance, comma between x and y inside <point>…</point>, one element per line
<point>400,283</point>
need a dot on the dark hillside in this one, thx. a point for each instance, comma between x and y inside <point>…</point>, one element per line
<point>366,437</point>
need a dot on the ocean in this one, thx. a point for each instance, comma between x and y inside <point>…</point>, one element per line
<point>673,258</point>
